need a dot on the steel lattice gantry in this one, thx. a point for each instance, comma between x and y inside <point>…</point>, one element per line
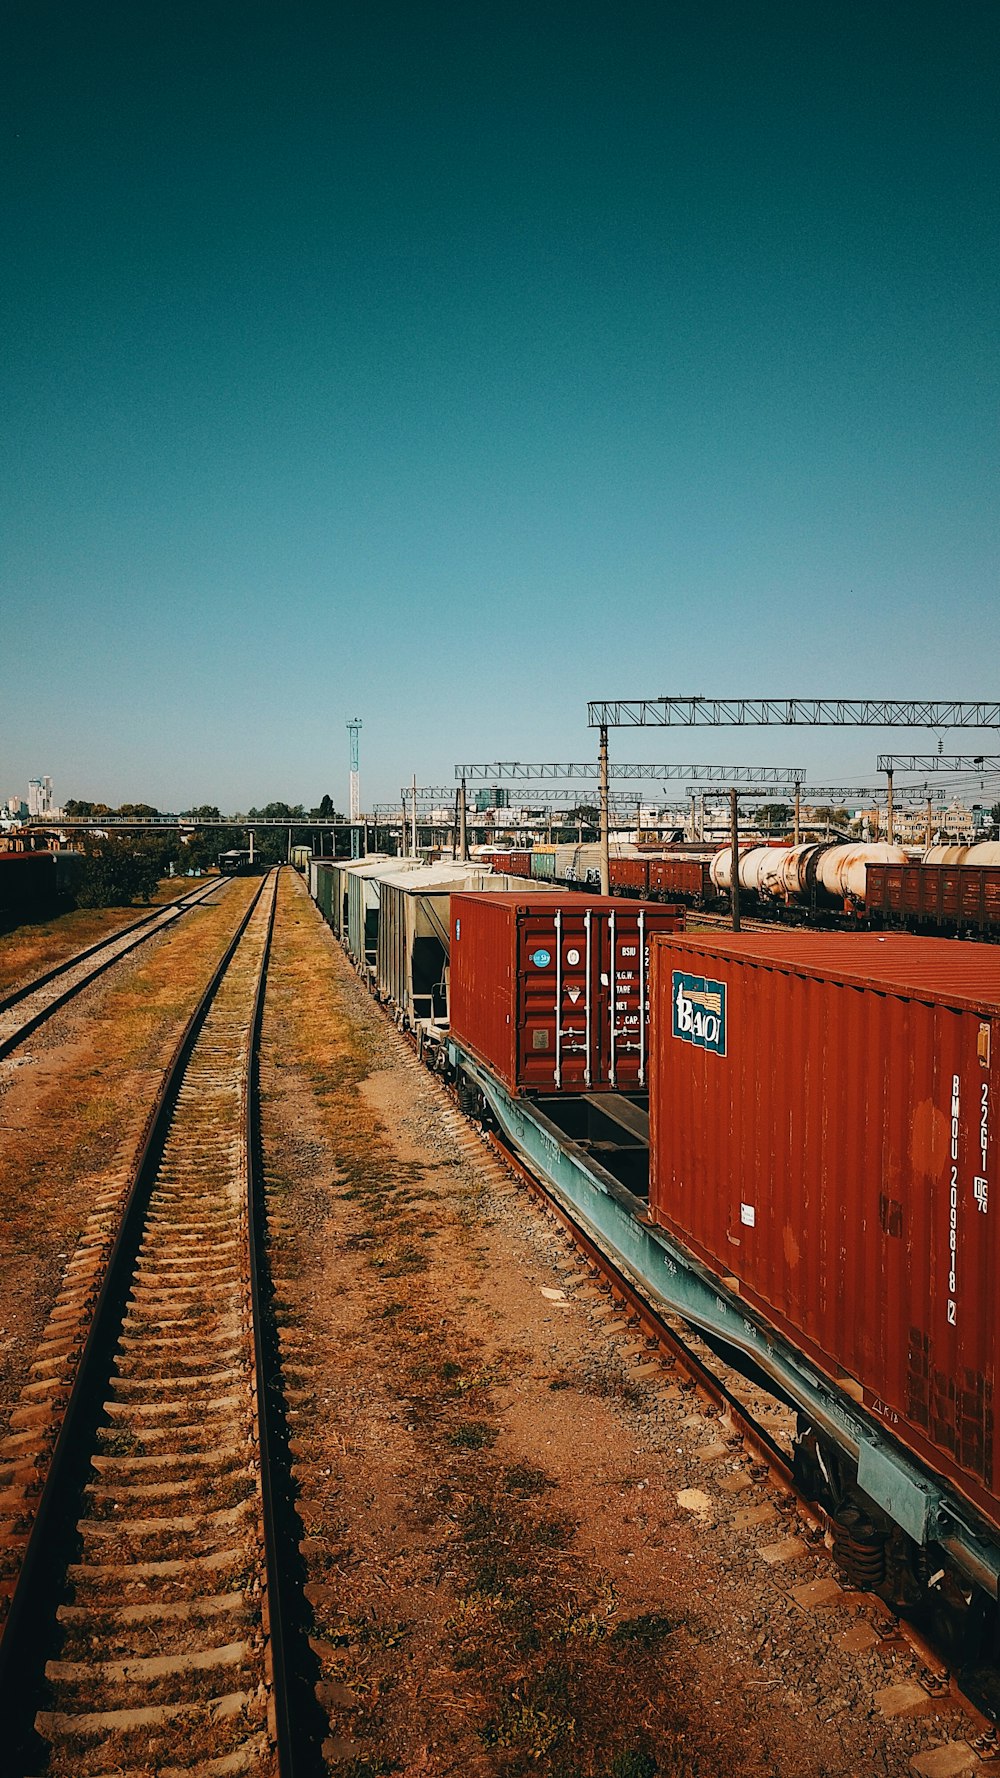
<point>702,712</point>
<point>529,797</point>
<point>636,770</point>
<point>698,712</point>
<point>939,762</point>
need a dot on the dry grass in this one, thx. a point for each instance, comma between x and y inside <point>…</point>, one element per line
<point>496,1645</point>
<point>28,950</point>
<point>70,1121</point>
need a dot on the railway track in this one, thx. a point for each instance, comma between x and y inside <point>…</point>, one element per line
<point>151,1576</point>
<point>27,1007</point>
<point>724,922</point>
<point>764,1428</point>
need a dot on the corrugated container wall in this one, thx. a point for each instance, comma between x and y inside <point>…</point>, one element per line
<point>630,875</point>
<point>324,879</point>
<point>690,877</point>
<point>821,1130</point>
<point>551,991</point>
<point>952,894</point>
<point>414,927</point>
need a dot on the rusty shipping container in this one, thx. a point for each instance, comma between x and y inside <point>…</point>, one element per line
<point>551,990</point>
<point>821,1135</point>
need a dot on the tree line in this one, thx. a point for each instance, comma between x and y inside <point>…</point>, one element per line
<point>120,869</point>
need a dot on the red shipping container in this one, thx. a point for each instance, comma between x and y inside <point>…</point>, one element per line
<point>551,991</point>
<point>821,1131</point>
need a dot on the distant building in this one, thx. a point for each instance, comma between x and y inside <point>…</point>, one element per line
<point>40,796</point>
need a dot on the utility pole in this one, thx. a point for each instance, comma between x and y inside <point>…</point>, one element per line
<point>734,838</point>
<point>890,828</point>
<point>602,768</point>
<point>463,825</point>
<point>413,817</point>
<point>354,729</point>
<point>798,813</point>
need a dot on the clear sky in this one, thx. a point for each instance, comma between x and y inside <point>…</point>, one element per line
<point>450,363</point>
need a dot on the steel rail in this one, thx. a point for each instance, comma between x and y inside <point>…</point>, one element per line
<point>652,1324</point>
<point>28,1624</point>
<point>298,1723</point>
<point>774,1459</point>
<point>191,899</point>
<point>172,911</point>
<point>673,1347</point>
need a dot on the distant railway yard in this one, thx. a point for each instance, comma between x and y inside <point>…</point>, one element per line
<point>374,1399</point>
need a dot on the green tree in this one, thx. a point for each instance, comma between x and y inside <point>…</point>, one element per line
<point>827,814</point>
<point>202,848</point>
<point>773,817</point>
<point>119,870</point>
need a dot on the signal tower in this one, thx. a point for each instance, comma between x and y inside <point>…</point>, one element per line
<point>354,729</point>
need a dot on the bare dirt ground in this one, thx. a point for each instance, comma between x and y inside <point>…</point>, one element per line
<point>73,1100</point>
<point>37,945</point>
<point>530,1550</point>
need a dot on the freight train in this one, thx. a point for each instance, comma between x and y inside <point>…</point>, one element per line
<point>952,889</point>
<point>785,1137</point>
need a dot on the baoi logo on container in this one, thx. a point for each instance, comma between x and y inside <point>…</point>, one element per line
<point>700,1012</point>
<point>541,959</point>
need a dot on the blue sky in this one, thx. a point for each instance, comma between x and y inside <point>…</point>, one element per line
<point>450,365</point>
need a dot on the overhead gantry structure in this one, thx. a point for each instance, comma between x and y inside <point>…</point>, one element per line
<point>704,712</point>
<point>636,770</point>
<point>698,712</point>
